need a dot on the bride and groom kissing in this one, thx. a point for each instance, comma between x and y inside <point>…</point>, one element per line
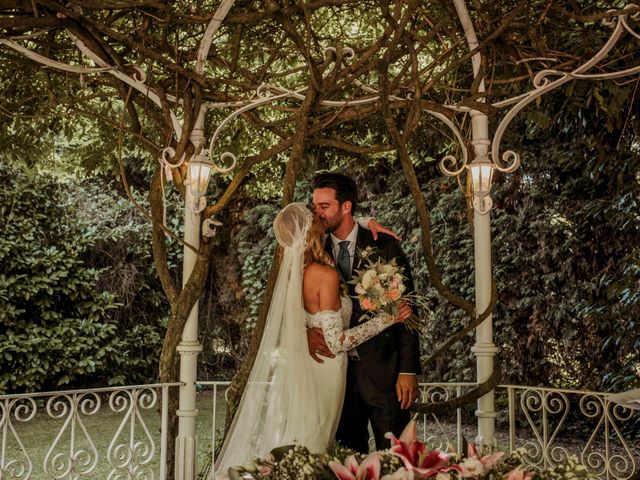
<point>321,374</point>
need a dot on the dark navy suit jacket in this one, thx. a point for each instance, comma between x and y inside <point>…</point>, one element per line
<point>395,349</point>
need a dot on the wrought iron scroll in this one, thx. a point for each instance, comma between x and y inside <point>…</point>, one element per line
<point>550,431</point>
<point>130,452</point>
<point>21,411</point>
<point>79,449</point>
<point>510,160</point>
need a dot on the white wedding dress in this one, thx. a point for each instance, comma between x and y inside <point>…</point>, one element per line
<point>330,377</point>
<point>289,397</point>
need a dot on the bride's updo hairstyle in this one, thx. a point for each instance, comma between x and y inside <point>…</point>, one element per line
<point>294,225</point>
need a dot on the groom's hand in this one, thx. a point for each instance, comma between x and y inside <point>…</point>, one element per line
<point>407,389</point>
<point>317,345</point>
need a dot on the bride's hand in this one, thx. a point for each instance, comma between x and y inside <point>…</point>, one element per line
<point>377,228</point>
<point>404,312</point>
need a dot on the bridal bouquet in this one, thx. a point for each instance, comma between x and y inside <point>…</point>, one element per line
<point>380,287</point>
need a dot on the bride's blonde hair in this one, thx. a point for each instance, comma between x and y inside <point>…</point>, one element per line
<point>314,251</point>
<point>296,224</point>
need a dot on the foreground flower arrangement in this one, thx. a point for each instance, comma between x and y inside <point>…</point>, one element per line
<point>407,459</point>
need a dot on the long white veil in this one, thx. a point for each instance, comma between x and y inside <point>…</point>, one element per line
<point>279,404</point>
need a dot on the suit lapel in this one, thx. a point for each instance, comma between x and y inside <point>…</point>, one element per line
<point>363,240</point>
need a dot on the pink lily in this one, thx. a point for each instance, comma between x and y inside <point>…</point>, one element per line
<point>519,473</point>
<point>407,447</point>
<point>369,469</point>
<point>414,455</point>
<point>487,461</point>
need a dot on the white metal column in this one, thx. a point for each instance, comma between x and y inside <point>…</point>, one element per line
<point>188,349</point>
<point>484,347</point>
<point>189,346</point>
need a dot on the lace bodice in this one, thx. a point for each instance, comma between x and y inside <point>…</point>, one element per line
<point>334,325</point>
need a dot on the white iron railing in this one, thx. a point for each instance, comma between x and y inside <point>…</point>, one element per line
<point>543,422</point>
<point>118,433</point>
<point>547,425</point>
<point>106,433</point>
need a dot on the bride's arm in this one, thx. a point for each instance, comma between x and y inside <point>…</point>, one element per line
<point>352,337</point>
<point>376,227</point>
<point>340,340</point>
<point>337,338</point>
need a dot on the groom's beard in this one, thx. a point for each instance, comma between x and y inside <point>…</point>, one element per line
<point>330,227</point>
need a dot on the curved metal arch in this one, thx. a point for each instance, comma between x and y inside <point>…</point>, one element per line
<point>542,85</point>
<point>265,98</point>
<point>450,159</point>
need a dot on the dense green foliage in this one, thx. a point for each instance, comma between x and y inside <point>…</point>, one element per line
<point>79,305</point>
<point>570,224</point>
<point>55,323</point>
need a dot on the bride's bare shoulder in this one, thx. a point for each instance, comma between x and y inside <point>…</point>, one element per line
<point>321,273</point>
<point>320,288</point>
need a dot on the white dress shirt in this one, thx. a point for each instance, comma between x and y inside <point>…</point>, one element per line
<point>351,238</point>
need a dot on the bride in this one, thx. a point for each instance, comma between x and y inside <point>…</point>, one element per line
<point>289,398</point>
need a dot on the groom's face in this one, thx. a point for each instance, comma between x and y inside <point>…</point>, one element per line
<point>329,210</point>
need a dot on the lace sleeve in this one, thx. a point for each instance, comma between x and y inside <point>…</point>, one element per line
<point>364,222</point>
<point>340,340</point>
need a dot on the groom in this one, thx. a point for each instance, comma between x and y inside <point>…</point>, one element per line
<point>382,372</point>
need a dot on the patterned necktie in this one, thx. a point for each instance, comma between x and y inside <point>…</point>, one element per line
<point>344,261</point>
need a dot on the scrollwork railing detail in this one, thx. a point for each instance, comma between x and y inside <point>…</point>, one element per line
<point>432,432</point>
<point>606,453</point>
<point>131,457</point>
<point>22,411</point>
<point>85,445</point>
<point>80,454</point>
<point>607,415</point>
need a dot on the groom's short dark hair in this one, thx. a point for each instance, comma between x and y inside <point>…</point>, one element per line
<point>346,187</point>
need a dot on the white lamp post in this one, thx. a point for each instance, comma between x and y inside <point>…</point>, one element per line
<point>198,176</point>
<point>481,170</point>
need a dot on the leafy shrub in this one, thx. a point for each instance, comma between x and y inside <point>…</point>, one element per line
<point>56,325</point>
<point>79,301</point>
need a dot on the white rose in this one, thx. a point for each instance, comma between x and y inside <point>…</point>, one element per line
<point>471,467</point>
<point>369,279</point>
<point>443,476</point>
<point>376,291</point>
